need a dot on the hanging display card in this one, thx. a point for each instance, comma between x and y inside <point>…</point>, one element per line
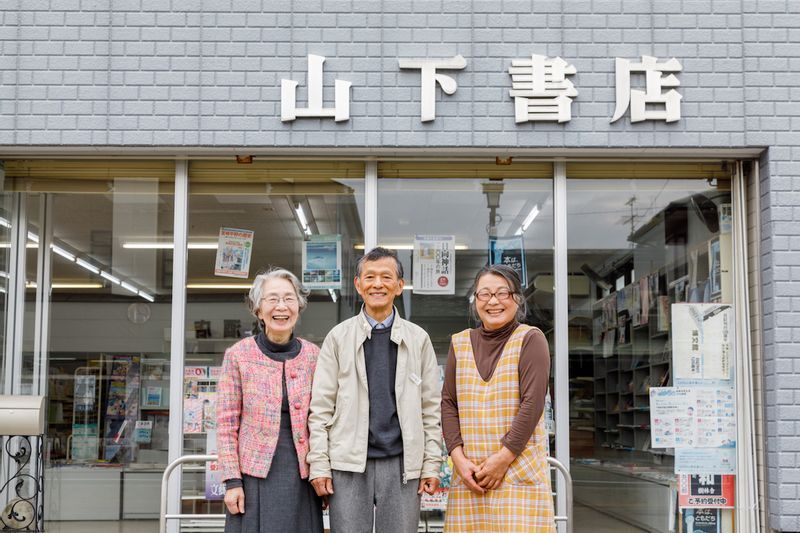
<point>85,385</point>
<point>234,249</point>
<point>143,431</point>
<point>701,341</point>
<point>509,251</point>
<point>434,264</point>
<point>706,491</point>
<point>322,262</point>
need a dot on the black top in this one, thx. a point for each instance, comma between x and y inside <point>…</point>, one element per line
<point>380,357</point>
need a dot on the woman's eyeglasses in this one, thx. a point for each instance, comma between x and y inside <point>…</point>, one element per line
<point>485,295</point>
<point>275,300</point>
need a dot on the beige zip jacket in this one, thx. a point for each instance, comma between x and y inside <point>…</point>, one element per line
<point>338,421</point>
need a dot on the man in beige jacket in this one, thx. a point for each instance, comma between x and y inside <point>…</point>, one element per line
<point>374,425</point>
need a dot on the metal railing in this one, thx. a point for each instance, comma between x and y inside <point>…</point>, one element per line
<point>559,466</point>
<point>206,520</point>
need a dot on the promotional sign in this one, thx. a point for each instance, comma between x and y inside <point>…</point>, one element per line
<point>701,341</point>
<point>706,491</point>
<point>434,264</point>
<point>697,417</point>
<point>322,262</point>
<point>234,249</point>
<point>509,251</point>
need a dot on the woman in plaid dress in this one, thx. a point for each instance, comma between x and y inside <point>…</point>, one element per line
<point>493,415</point>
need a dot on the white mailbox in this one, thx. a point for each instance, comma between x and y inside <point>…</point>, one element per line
<point>21,415</point>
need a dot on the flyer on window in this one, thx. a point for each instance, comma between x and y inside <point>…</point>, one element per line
<point>509,251</point>
<point>705,461</point>
<point>434,264</point>
<point>234,249</point>
<point>322,262</point>
<point>215,486</point>
<point>701,341</point>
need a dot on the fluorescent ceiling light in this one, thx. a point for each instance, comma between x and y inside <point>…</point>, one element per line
<point>5,223</point>
<point>406,246</point>
<point>332,292</point>
<point>87,265</point>
<point>110,277</point>
<point>4,275</point>
<point>168,245</point>
<point>301,215</point>
<point>63,253</point>
<point>28,245</point>
<point>528,220</point>
<point>218,286</point>
<point>128,287</point>
<point>77,285</point>
<point>33,237</point>
<point>146,296</point>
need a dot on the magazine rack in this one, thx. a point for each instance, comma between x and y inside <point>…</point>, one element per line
<point>22,489</point>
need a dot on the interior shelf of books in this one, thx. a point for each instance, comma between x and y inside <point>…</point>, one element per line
<point>674,258</point>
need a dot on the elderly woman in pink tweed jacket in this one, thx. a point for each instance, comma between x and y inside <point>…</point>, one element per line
<point>263,397</point>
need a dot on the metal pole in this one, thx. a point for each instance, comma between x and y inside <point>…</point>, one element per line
<point>370,206</point>
<point>178,330</point>
<point>561,326</point>
<point>165,490</point>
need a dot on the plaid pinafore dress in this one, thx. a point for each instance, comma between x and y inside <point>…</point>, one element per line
<point>486,409</point>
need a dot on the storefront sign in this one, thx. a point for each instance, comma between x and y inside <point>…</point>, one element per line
<point>322,262</point>
<point>706,491</point>
<point>434,264</point>
<point>539,86</point>
<point>233,253</point>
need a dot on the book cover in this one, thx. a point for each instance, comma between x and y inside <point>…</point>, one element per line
<point>153,397</point>
<point>143,431</point>
<point>192,415</point>
<point>117,399</point>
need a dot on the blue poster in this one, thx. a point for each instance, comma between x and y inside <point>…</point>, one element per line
<point>509,251</point>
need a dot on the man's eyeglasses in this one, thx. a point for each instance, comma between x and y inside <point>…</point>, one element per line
<point>275,300</point>
<point>485,295</point>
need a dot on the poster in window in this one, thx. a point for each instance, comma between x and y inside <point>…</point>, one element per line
<point>234,249</point>
<point>701,341</point>
<point>701,521</point>
<point>434,264</point>
<point>706,491</point>
<point>509,251</point>
<point>322,262</point>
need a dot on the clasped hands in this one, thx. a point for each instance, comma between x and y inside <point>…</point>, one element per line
<point>487,475</point>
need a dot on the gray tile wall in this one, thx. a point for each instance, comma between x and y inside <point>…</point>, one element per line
<point>192,73</point>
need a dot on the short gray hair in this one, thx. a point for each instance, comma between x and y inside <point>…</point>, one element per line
<point>512,278</point>
<point>254,296</point>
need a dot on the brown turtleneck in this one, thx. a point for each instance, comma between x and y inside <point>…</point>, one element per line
<point>534,376</point>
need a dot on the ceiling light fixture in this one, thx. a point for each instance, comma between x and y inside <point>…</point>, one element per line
<point>110,277</point>
<point>332,292</point>
<point>87,265</point>
<point>168,245</point>
<point>528,220</point>
<point>406,246</point>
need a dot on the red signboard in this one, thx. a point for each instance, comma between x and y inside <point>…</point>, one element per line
<point>698,491</point>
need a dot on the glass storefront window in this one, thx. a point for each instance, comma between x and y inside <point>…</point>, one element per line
<point>109,307</point>
<point>288,205</point>
<point>641,238</point>
<point>484,207</point>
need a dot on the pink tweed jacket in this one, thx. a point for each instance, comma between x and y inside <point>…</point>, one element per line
<point>249,396</point>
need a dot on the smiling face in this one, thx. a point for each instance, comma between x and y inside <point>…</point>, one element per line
<point>495,313</point>
<point>278,309</point>
<point>378,285</point>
